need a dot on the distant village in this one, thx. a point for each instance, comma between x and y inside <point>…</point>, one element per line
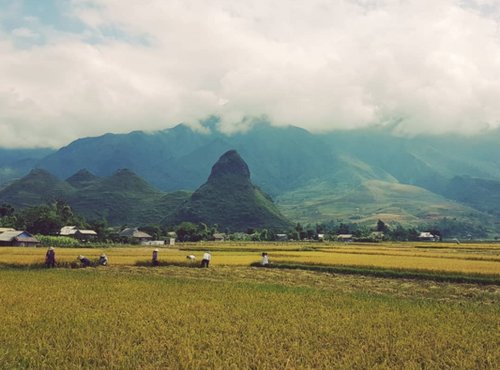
<point>135,236</point>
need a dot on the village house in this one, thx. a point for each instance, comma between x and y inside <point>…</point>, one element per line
<point>427,236</point>
<point>219,237</point>
<point>17,238</point>
<point>346,238</point>
<point>80,234</point>
<point>377,235</point>
<point>132,234</point>
<point>282,237</point>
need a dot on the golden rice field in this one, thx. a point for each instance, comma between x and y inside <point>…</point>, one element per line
<point>463,258</point>
<point>233,316</point>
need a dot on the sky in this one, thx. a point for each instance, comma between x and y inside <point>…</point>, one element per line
<point>78,68</point>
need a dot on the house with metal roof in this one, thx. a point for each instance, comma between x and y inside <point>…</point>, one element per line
<point>133,234</point>
<point>18,239</point>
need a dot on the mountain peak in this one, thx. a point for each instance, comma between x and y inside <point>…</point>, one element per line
<point>230,200</point>
<point>39,172</point>
<point>230,163</point>
<point>82,178</point>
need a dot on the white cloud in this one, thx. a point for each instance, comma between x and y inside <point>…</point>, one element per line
<point>25,33</point>
<point>317,64</point>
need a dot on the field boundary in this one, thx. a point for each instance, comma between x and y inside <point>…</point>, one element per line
<point>438,276</point>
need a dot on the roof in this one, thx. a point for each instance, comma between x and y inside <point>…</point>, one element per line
<point>426,234</point>
<point>68,230</point>
<point>87,232</point>
<point>219,236</point>
<point>4,229</point>
<point>131,232</point>
<point>9,236</point>
<point>26,239</point>
<point>344,236</point>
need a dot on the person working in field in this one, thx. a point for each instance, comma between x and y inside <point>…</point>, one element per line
<point>50,257</point>
<point>103,260</point>
<point>84,261</point>
<point>154,260</point>
<point>265,259</point>
<point>206,259</point>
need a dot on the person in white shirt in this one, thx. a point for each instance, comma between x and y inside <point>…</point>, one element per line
<point>265,259</point>
<point>206,259</point>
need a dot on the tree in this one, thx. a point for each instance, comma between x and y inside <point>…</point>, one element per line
<point>6,210</point>
<point>381,226</point>
<point>41,220</point>
<point>186,231</point>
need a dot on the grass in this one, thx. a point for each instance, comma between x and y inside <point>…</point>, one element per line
<point>241,317</point>
<point>325,305</point>
<point>393,273</point>
<point>471,259</point>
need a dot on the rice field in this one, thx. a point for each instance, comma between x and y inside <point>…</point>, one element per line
<point>463,258</point>
<point>232,315</point>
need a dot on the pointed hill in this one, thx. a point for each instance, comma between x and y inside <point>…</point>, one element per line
<point>125,198</point>
<point>230,200</point>
<point>36,188</point>
<point>82,179</point>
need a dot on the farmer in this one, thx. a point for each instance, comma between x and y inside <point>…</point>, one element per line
<point>265,259</point>
<point>50,258</point>
<point>155,258</point>
<point>206,259</point>
<point>85,262</point>
<point>103,260</point>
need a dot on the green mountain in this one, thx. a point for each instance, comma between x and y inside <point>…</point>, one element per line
<point>37,188</point>
<point>122,198</point>
<point>371,200</point>
<point>230,200</point>
<point>311,176</point>
<point>82,179</point>
<point>478,193</point>
<point>16,163</point>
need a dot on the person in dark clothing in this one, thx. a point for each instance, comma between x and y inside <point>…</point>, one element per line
<point>103,260</point>
<point>84,261</point>
<point>154,260</point>
<point>50,258</point>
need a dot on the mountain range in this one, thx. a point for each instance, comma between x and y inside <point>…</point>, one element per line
<point>358,175</point>
<point>228,198</point>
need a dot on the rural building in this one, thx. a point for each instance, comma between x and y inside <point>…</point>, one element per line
<point>377,235</point>
<point>85,235</point>
<point>4,229</point>
<point>157,243</point>
<point>219,237</point>
<point>427,236</point>
<point>134,235</point>
<point>68,231</point>
<point>346,238</point>
<point>17,239</point>
<point>321,236</point>
<point>282,237</point>
<point>80,234</point>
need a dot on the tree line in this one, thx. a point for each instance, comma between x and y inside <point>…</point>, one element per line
<point>49,219</point>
